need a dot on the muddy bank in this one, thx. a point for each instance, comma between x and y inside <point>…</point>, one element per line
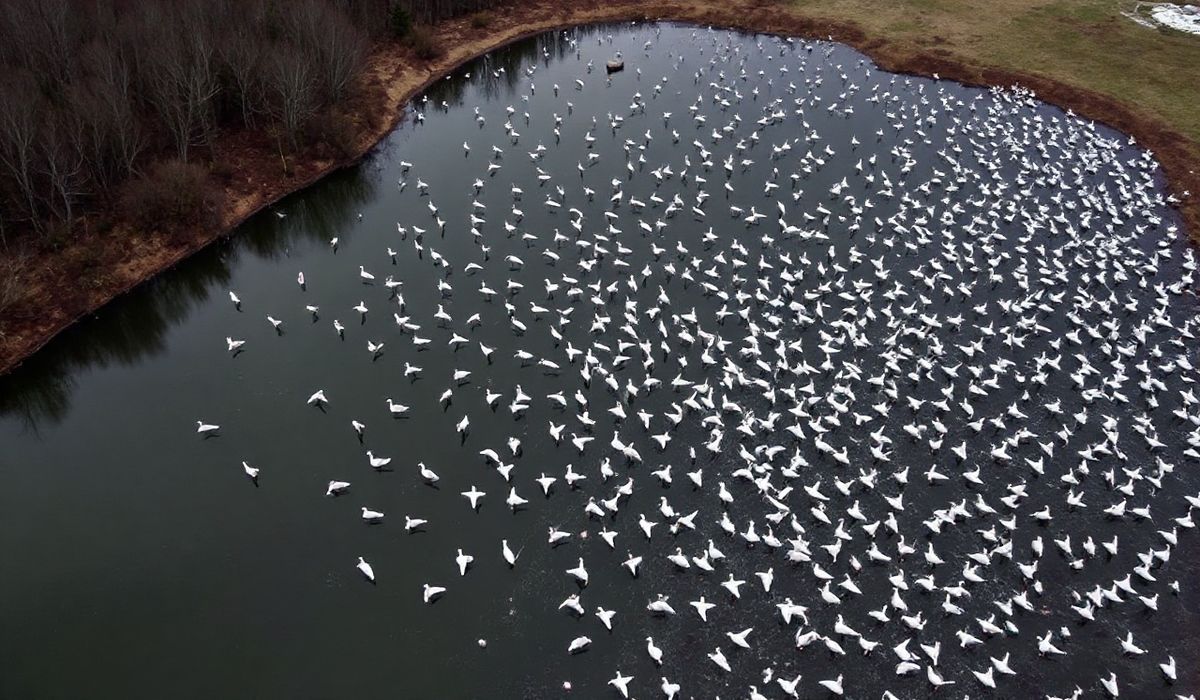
<point>69,283</point>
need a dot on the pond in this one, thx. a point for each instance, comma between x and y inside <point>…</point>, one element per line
<point>927,350</point>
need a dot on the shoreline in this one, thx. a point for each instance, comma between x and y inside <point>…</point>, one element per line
<point>391,79</point>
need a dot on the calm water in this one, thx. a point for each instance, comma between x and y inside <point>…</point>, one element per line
<point>140,562</point>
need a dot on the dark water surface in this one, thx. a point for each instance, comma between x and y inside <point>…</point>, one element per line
<point>140,562</point>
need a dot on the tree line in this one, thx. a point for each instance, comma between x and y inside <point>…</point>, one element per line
<point>97,93</point>
<point>431,11</point>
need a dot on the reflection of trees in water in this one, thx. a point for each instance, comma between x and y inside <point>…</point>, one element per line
<point>316,214</point>
<point>498,75</point>
<point>36,394</point>
<point>132,328</point>
<point>135,326</point>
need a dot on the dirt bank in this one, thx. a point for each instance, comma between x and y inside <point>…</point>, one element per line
<point>67,284</point>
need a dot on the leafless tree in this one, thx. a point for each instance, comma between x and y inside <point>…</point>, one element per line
<point>242,56</point>
<point>340,49</point>
<point>62,167</point>
<point>114,74</point>
<point>428,11</point>
<point>43,36</point>
<point>107,117</point>
<point>21,112</point>
<point>94,91</point>
<point>182,81</point>
<point>293,89</point>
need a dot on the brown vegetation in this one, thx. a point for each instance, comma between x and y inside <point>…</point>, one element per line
<point>262,137</point>
<point>171,195</point>
<point>481,20</point>
<point>424,42</point>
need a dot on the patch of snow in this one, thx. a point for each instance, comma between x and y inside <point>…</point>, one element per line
<point>1185,18</point>
<point>1139,19</point>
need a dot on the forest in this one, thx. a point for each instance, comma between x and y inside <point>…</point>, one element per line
<point>116,104</point>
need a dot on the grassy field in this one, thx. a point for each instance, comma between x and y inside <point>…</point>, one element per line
<point>1084,43</point>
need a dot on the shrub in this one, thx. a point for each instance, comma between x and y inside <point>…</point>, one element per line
<point>401,22</point>
<point>57,234</point>
<point>335,130</point>
<point>481,20</point>
<point>100,221</point>
<point>171,195</point>
<point>424,42</point>
<point>12,287</point>
<point>222,171</point>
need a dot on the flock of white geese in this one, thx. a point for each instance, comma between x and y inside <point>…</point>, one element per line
<point>936,414</point>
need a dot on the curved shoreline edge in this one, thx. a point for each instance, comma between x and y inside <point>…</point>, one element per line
<point>398,79</point>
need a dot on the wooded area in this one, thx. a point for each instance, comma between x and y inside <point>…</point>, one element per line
<point>430,11</point>
<point>96,95</point>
